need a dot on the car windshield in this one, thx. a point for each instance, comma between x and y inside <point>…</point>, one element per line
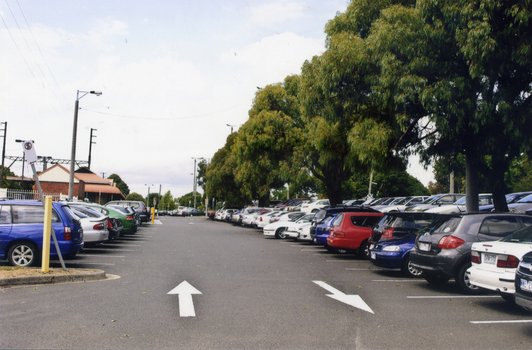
<point>527,199</point>
<point>430,199</point>
<point>523,235</point>
<point>306,218</point>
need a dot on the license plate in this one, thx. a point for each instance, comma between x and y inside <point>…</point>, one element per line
<point>424,246</point>
<point>490,259</point>
<point>526,285</point>
<point>373,256</point>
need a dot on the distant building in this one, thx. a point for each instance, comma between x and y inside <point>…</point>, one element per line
<point>87,185</point>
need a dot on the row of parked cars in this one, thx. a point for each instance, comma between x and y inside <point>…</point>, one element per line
<point>481,250</point>
<point>75,225</point>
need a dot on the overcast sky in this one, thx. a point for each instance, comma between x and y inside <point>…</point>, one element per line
<point>172,74</point>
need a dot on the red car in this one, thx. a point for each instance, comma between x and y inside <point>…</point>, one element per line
<point>350,232</point>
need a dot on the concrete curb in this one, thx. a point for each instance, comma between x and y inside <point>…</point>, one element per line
<point>77,277</point>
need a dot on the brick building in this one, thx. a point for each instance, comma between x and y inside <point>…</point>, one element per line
<point>87,185</point>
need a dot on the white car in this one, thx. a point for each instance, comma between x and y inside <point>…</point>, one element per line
<point>402,205</point>
<point>313,207</point>
<point>94,226</point>
<point>282,221</point>
<point>263,219</point>
<point>303,233</point>
<point>460,205</point>
<point>494,263</point>
<point>293,228</point>
<point>248,215</point>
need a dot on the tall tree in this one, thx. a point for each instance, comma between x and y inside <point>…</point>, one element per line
<point>122,186</point>
<point>265,143</point>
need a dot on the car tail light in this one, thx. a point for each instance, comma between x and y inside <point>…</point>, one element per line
<point>68,233</point>
<point>339,234</point>
<point>475,257</point>
<point>450,242</point>
<point>387,233</point>
<point>510,262</point>
<point>99,226</point>
<point>109,224</point>
<point>129,217</point>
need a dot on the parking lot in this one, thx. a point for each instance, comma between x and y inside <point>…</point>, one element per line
<point>255,293</point>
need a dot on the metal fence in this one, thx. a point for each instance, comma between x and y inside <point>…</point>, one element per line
<point>29,194</point>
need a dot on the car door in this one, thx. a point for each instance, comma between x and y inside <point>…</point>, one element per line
<point>5,226</point>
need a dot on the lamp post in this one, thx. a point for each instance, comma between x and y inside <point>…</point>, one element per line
<point>231,127</point>
<point>23,162</point>
<point>74,133</point>
<point>148,199</point>
<point>195,185</point>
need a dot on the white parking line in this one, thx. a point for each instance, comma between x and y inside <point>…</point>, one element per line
<point>412,280</point>
<point>508,321</point>
<point>451,296</point>
<point>114,250</point>
<point>103,255</point>
<point>86,263</point>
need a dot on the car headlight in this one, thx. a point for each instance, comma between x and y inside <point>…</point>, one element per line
<point>391,248</point>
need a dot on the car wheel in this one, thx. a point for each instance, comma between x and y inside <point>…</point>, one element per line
<point>363,250</point>
<point>462,278</point>
<point>23,254</point>
<point>279,233</point>
<point>436,280</point>
<point>409,270</point>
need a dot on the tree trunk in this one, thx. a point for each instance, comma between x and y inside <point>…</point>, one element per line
<point>334,174</point>
<point>497,183</point>
<point>471,180</point>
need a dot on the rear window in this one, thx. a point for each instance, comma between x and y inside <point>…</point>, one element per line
<point>499,226</point>
<point>365,221</point>
<point>446,224</point>
<point>523,235</point>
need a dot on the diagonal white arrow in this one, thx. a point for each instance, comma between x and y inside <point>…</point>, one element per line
<point>353,300</point>
<point>186,305</point>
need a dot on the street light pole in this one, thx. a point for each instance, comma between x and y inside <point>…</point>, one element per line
<point>231,127</point>
<point>195,185</point>
<point>74,134</point>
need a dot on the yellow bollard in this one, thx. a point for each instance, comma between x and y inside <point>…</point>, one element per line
<point>47,230</point>
<point>152,215</point>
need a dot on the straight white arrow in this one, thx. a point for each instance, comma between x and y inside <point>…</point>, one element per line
<point>353,300</point>
<point>186,305</point>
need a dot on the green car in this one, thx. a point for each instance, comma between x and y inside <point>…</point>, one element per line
<point>128,221</point>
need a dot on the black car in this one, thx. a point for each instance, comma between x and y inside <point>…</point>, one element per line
<point>443,249</point>
<point>523,282</point>
<point>400,224</point>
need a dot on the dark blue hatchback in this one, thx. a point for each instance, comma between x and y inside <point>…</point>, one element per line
<point>395,254</point>
<point>21,231</point>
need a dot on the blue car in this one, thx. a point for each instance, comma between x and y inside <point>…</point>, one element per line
<point>322,230</point>
<point>21,231</point>
<point>395,254</point>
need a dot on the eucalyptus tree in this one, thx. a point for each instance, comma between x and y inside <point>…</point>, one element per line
<point>265,143</point>
<point>220,183</point>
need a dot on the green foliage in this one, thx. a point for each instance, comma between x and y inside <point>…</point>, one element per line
<point>167,202</point>
<point>134,196</point>
<point>188,200</point>
<point>122,186</point>
<point>264,145</point>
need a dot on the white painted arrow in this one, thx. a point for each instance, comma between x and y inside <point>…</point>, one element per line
<point>353,300</point>
<point>186,305</point>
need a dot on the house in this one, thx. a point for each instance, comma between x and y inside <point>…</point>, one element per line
<point>87,185</point>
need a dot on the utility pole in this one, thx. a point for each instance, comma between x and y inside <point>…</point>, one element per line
<point>3,154</point>
<point>90,146</point>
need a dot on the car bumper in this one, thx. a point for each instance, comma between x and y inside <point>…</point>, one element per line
<point>503,281</point>
<point>96,236</point>
<point>389,260</point>
<point>268,233</point>
<point>291,234</point>
<point>441,264</point>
